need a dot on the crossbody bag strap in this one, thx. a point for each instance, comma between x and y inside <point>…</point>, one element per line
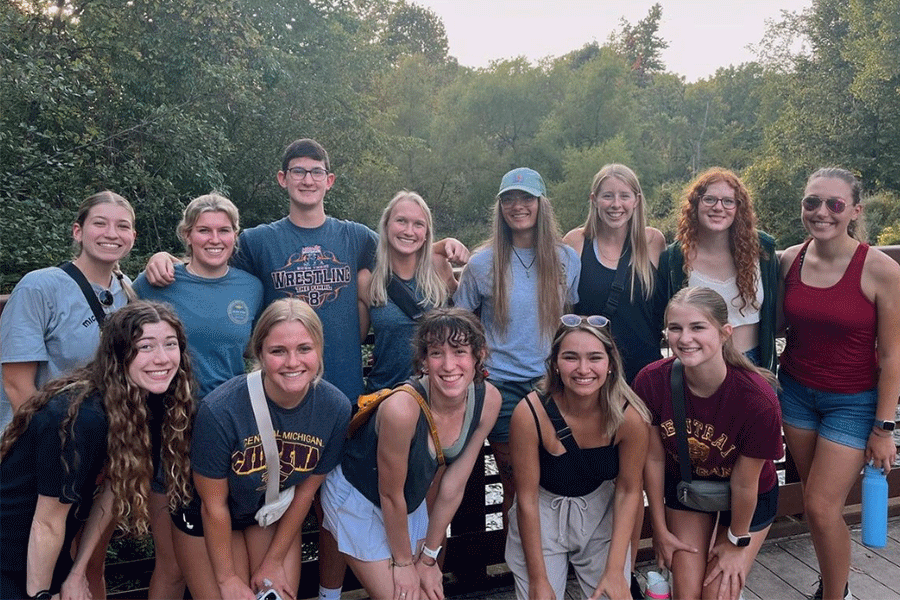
<point>89,294</point>
<point>678,411</point>
<point>266,433</point>
<point>403,297</point>
<point>618,284</point>
<point>413,389</point>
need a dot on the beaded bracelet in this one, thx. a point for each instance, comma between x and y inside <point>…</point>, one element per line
<point>394,563</point>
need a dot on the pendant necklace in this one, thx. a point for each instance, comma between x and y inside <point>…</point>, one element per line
<point>529,265</point>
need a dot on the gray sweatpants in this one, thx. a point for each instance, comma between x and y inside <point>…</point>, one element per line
<point>573,530</point>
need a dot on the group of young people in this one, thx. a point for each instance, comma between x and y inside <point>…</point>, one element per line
<point>551,353</point>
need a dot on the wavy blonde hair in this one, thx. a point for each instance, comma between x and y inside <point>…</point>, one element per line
<point>615,390</point>
<point>129,463</point>
<point>743,238</point>
<point>642,267</point>
<point>551,276</point>
<point>428,282</point>
<point>711,304</point>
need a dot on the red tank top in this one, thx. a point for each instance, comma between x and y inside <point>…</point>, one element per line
<point>831,331</point>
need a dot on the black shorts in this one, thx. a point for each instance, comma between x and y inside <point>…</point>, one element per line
<point>766,507</point>
<point>189,520</point>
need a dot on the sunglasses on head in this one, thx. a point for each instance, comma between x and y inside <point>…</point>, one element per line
<point>576,320</point>
<point>835,205</point>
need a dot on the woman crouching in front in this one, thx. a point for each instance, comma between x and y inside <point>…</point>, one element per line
<point>375,501</point>
<point>578,447</point>
<point>733,438</point>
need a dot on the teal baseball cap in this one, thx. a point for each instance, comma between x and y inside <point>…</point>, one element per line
<point>524,179</point>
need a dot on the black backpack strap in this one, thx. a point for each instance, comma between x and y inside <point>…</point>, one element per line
<point>563,432</point>
<point>89,294</point>
<point>618,284</point>
<point>403,297</point>
<point>678,411</point>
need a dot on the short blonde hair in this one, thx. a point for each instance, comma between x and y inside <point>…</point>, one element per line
<point>285,310</point>
<point>211,202</point>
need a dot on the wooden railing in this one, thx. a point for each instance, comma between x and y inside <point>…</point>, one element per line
<point>474,556</point>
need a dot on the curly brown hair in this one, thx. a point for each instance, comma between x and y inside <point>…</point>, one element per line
<point>454,326</point>
<point>743,236</point>
<point>129,464</point>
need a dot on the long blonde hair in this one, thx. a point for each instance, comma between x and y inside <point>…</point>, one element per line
<point>428,282</point>
<point>129,463</point>
<point>713,307</point>
<point>551,276</point>
<point>641,265</point>
<point>615,390</point>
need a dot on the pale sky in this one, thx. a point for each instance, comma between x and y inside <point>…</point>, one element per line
<point>703,35</point>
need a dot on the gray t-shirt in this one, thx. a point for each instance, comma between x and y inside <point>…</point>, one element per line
<point>47,320</point>
<point>520,352</point>
<point>226,444</point>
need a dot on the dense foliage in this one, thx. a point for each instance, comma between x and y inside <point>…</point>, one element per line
<point>161,101</point>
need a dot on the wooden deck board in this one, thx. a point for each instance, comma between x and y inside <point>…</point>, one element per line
<point>779,574</point>
<point>786,569</point>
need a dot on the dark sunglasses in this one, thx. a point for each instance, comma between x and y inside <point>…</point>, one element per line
<point>835,205</point>
<point>106,298</point>
<point>576,320</point>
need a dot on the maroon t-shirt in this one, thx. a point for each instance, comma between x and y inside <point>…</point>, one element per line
<point>742,417</point>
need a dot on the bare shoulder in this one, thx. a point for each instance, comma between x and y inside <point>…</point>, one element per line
<point>788,256</point>
<point>634,424</point>
<point>883,269</point>
<point>492,403</point>
<point>575,239</point>
<point>399,411</point>
<point>656,241</point>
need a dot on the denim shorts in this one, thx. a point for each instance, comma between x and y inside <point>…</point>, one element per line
<point>844,419</point>
<point>754,355</point>
<point>511,392</point>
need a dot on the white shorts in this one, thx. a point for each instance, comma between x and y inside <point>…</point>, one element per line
<point>358,525</point>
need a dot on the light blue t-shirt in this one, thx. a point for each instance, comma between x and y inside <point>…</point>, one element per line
<point>520,352</point>
<point>47,320</point>
<point>218,316</point>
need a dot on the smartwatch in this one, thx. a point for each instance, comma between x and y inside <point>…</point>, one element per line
<point>432,554</point>
<point>884,425</point>
<point>741,541</point>
<point>42,595</point>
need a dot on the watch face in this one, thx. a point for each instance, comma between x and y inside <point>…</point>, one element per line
<point>885,425</point>
<point>743,542</point>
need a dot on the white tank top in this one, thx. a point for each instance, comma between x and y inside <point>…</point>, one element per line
<point>729,291</point>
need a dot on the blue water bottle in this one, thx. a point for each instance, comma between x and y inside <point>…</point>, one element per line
<point>874,507</point>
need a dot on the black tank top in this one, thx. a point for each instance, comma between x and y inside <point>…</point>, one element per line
<point>637,325</point>
<point>576,474</point>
